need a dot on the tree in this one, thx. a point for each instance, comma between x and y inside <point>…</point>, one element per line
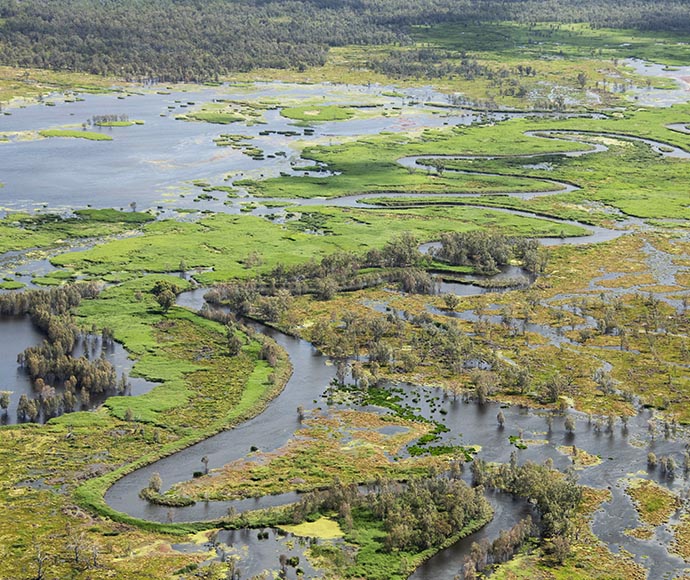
<point>451,301</point>
<point>500,417</point>
<point>569,424</point>
<point>5,400</point>
<point>155,482</point>
<point>165,299</point>
<point>234,342</point>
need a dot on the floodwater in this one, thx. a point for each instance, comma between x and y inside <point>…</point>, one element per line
<point>153,165</point>
<point>18,333</point>
<point>623,452</point>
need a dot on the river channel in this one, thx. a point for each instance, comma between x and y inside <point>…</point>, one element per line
<point>623,452</point>
<point>152,163</point>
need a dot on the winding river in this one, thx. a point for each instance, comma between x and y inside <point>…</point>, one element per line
<point>623,451</point>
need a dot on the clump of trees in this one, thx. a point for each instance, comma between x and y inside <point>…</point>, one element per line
<point>555,495</point>
<point>486,252</point>
<point>267,297</point>
<point>399,262</point>
<point>484,554</point>
<point>107,119</point>
<point>417,515</point>
<point>51,364</point>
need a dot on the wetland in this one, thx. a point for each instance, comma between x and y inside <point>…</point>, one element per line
<point>320,306</point>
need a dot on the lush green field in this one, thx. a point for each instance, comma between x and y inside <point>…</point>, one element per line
<point>317,113</point>
<point>224,242</point>
<point>369,165</point>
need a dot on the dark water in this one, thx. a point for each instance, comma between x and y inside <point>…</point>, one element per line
<point>18,333</point>
<point>623,452</point>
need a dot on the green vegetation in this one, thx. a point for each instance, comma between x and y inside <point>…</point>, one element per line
<point>370,164</point>
<point>114,216</point>
<point>119,123</point>
<point>654,503</point>
<point>222,241</point>
<point>396,528</point>
<point>75,134</point>
<point>317,113</point>
<point>219,117</point>
<point>601,326</point>
<point>323,528</point>
<point>19,231</point>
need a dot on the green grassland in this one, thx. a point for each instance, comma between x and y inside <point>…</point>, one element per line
<point>75,134</point>
<point>317,113</point>
<point>222,242</point>
<point>369,165</point>
<point>19,231</point>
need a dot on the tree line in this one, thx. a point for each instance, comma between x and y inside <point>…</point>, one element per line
<point>194,40</point>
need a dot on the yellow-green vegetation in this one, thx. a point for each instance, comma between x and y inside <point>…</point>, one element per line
<point>75,134</point>
<point>223,242</point>
<point>370,165</point>
<point>519,65</point>
<point>581,459</point>
<point>227,112</point>
<point>67,465</point>
<point>118,123</point>
<point>681,541</point>
<point>317,113</point>
<point>324,528</point>
<point>31,83</point>
<point>196,397</point>
<point>346,445</point>
<point>20,231</point>
<point>655,504</point>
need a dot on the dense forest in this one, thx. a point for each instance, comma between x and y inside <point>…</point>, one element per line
<point>194,40</point>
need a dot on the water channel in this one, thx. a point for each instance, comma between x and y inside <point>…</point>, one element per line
<point>149,163</point>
